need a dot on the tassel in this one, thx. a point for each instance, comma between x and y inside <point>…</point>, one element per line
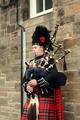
<point>33,108</point>
<point>32,112</point>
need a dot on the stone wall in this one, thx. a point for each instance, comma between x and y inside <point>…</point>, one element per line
<point>67,13</point>
<point>9,66</point>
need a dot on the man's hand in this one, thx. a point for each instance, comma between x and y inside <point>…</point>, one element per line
<point>29,88</point>
<point>32,83</point>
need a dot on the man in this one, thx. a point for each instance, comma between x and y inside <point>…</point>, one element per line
<point>43,80</point>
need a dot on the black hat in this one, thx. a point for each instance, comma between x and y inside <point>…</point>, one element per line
<point>41,36</point>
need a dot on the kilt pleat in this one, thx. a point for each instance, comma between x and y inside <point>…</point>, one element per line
<point>50,108</point>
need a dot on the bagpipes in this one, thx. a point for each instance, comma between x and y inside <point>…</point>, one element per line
<point>41,71</point>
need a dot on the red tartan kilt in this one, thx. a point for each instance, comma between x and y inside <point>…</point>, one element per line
<point>50,108</point>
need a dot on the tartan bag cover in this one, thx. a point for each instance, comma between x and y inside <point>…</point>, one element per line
<point>50,108</point>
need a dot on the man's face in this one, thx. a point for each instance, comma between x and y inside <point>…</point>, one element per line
<point>37,50</point>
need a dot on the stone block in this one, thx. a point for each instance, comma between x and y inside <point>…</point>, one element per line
<point>13,97</point>
<point>25,9</point>
<point>71,75</point>
<point>69,116</point>
<point>3,93</point>
<point>69,107</point>
<point>3,26</point>
<point>17,86</point>
<point>77,118</point>
<point>61,12</point>
<point>77,17</point>
<point>10,28</point>
<point>3,101</point>
<point>64,20</point>
<point>77,110</point>
<point>72,9</point>
<point>2,82</point>
<point>13,16</point>
<point>76,28</point>
<point>69,42</point>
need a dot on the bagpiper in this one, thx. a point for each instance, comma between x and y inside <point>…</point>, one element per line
<point>43,81</point>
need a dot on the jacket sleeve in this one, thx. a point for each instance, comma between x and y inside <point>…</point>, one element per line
<point>54,79</point>
<point>51,81</point>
